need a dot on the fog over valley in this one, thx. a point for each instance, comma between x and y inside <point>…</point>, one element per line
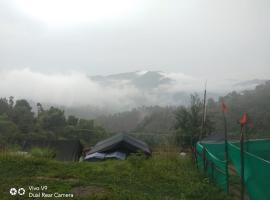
<point>113,93</point>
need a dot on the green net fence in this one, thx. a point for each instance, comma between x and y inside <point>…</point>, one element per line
<point>210,159</point>
<point>212,163</point>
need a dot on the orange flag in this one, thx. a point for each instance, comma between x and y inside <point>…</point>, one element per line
<point>224,107</point>
<point>243,119</point>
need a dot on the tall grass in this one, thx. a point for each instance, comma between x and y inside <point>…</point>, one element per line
<point>43,153</point>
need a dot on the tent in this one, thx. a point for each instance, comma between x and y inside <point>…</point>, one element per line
<point>117,147</point>
<point>65,150</point>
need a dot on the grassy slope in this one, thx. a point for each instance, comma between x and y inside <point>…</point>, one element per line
<point>162,177</point>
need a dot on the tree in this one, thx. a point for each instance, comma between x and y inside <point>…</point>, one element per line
<point>8,129</point>
<point>86,124</point>
<point>23,116</point>
<point>4,106</point>
<point>72,120</point>
<point>40,109</point>
<point>52,119</point>
<point>189,122</point>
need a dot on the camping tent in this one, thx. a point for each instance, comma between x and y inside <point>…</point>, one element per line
<point>118,147</point>
<point>65,150</point>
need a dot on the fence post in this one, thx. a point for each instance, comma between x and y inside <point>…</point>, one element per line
<point>204,159</point>
<point>212,172</point>
<point>242,166</point>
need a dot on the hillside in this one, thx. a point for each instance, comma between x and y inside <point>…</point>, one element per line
<point>157,119</point>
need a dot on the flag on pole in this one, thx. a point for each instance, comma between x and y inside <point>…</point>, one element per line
<point>243,120</point>
<point>224,107</point>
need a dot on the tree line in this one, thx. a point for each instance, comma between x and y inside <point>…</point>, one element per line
<point>19,122</point>
<point>186,121</point>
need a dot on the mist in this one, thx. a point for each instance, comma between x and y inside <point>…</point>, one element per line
<point>75,89</point>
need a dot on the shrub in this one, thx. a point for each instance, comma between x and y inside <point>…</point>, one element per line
<point>43,153</point>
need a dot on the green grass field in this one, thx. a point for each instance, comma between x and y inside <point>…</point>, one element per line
<point>165,176</point>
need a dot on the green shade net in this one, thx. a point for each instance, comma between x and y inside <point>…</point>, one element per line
<point>215,166</point>
<point>256,165</point>
<point>256,169</point>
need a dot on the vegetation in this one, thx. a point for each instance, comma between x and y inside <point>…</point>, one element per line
<point>17,121</point>
<point>254,102</point>
<point>189,122</point>
<point>42,153</point>
<point>161,121</point>
<point>164,176</point>
<point>153,119</point>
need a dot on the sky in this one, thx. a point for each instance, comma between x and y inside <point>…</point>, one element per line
<point>50,48</point>
<point>202,38</point>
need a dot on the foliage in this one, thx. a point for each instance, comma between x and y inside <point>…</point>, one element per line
<point>8,129</point>
<point>152,119</point>
<point>18,122</point>
<point>52,119</point>
<point>154,139</point>
<point>189,121</point>
<point>42,153</point>
<point>255,102</point>
<point>23,116</point>
<point>72,120</point>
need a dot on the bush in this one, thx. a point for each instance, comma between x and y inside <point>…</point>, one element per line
<point>43,153</point>
<point>136,159</point>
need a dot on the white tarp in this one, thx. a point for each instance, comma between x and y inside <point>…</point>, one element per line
<point>103,156</point>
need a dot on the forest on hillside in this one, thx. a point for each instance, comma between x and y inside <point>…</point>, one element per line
<point>158,119</point>
<point>18,121</point>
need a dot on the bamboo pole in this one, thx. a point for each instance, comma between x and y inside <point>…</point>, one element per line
<point>226,151</point>
<point>204,112</point>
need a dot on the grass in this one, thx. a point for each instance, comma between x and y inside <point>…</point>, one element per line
<point>165,176</point>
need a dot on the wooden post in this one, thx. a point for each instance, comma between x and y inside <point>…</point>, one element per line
<point>204,113</point>
<point>212,172</point>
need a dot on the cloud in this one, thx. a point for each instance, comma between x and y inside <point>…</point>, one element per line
<point>68,89</point>
<point>77,89</point>
<point>74,89</point>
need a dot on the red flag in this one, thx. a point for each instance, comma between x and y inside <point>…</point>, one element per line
<point>243,119</point>
<point>224,107</point>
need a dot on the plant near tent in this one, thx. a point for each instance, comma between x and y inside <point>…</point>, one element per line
<point>137,159</point>
<point>42,153</point>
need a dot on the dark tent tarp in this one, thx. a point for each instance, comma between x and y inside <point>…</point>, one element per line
<point>65,150</point>
<point>123,143</point>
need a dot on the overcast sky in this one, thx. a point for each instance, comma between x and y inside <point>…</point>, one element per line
<point>207,38</point>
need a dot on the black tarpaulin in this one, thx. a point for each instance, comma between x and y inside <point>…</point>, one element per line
<point>123,143</point>
<point>65,150</point>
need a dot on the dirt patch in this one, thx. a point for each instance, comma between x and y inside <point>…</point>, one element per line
<point>90,191</point>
